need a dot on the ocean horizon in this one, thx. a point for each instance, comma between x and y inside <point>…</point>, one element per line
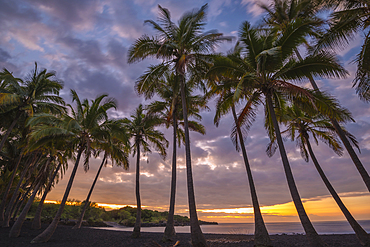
<point>290,228</point>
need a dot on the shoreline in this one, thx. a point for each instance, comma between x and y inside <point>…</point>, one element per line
<point>90,236</point>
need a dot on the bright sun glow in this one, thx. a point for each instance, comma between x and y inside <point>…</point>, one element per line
<point>320,209</point>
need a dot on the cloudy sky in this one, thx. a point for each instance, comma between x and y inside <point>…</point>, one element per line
<point>86,43</point>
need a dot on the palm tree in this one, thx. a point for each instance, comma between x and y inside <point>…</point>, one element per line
<point>264,74</point>
<point>16,163</point>
<point>115,145</point>
<point>351,17</point>
<point>40,179</point>
<point>29,164</point>
<point>39,92</point>
<point>224,103</point>
<point>299,125</point>
<point>281,13</point>
<point>81,129</point>
<point>141,128</point>
<point>170,110</point>
<point>36,222</point>
<point>185,47</point>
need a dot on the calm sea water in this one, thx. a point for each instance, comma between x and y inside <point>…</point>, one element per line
<point>322,227</point>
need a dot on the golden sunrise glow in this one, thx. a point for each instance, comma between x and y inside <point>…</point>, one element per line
<point>115,206</point>
<point>320,209</point>
<point>104,205</point>
<point>228,210</point>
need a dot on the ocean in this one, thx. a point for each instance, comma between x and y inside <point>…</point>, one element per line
<point>322,227</point>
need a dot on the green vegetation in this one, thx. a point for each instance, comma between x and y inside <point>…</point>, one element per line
<point>95,215</point>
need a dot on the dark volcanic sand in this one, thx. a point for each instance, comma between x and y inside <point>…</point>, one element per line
<point>66,237</point>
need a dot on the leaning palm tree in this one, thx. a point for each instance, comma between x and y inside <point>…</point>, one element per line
<point>265,73</point>
<point>81,129</point>
<point>115,145</point>
<point>169,108</point>
<point>29,165</point>
<point>183,46</point>
<point>39,180</point>
<point>36,222</point>
<point>225,91</point>
<point>300,125</point>
<point>141,127</point>
<point>283,12</point>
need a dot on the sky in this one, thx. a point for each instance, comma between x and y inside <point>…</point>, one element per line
<point>86,43</point>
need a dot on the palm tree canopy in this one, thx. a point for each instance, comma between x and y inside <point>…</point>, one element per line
<point>184,45</point>
<point>281,12</point>
<point>39,92</point>
<point>141,127</point>
<point>351,17</point>
<point>81,129</point>
<point>300,124</point>
<point>263,65</point>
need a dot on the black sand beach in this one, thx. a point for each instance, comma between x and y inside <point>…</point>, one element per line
<point>65,236</point>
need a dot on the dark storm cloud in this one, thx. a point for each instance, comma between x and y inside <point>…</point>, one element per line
<point>77,14</point>
<point>17,11</point>
<point>4,55</point>
<point>87,51</point>
<point>90,84</point>
<point>117,53</point>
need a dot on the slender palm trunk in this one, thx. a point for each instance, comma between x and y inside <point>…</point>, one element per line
<point>136,232</point>
<point>18,207</point>
<point>169,232</point>
<point>313,237</point>
<point>21,201</point>
<point>9,130</point>
<point>360,232</point>
<point>361,169</point>
<point>261,236</point>
<point>16,228</point>
<point>87,201</point>
<point>49,231</point>
<point>36,222</point>
<point>197,237</point>
<point>15,194</point>
<point>16,204</point>
<point>7,190</point>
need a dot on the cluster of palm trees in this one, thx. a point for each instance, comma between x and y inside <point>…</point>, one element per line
<point>265,68</point>
<point>40,132</point>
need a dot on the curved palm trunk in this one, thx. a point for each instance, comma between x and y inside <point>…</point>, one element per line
<point>17,204</point>
<point>197,237</point>
<point>87,201</point>
<point>7,190</point>
<point>18,207</point>
<point>136,232</point>
<point>361,169</point>
<point>169,232</point>
<point>16,228</point>
<point>21,201</point>
<point>36,222</point>
<point>313,237</point>
<point>48,232</point>
<point>360,232</point>
<point>261,236</point>
<point>9,130</point>
<point>14,196</point>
